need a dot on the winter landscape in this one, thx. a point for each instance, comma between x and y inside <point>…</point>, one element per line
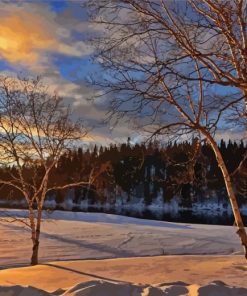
<point>137,257</point>
<point>123,148</point>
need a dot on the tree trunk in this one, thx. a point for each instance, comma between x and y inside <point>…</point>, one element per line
<point>35,239</point>
<point>228,183</point>
<point>35,252</point>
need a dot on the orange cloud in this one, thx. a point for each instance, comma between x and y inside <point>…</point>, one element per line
<point>23,36</point>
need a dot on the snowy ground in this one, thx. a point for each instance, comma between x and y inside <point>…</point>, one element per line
<point>67,236</point>
<point>146,276</point>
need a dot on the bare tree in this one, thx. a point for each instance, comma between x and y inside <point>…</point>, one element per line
<point>211,32</point>
<point>180,66</point>
<point>35,129</point>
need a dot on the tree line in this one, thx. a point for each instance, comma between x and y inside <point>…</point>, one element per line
<point>144,171</point>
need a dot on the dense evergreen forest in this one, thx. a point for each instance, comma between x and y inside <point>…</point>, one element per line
<point>150,173</point>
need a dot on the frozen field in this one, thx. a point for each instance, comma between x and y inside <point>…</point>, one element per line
<point>68,235</point>
<point>146,276</point>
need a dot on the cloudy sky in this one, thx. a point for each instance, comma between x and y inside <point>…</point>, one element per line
<point>47,38</point>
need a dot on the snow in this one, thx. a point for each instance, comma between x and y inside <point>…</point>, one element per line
<point>21,291</point>
<point>70,236</point>
<point>76,235</point>
<point>146,276</point>
<point>104,288</point>
<point>201,210</point>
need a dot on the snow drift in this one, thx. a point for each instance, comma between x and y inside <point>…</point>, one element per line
<point>21,291</point>
<point>106,288</point>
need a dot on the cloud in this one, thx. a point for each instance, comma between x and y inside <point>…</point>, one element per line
<point>28,32</point>
<point>78,49</point>
<point>231,134</point>
<point>22,38</point>
<point>33,40</point>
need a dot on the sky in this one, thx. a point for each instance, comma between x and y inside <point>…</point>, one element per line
<point>47,38</point>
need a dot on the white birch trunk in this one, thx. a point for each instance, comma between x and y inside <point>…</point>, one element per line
<point>232,197</point>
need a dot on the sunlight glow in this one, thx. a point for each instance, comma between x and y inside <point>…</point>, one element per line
<point>22,38</point>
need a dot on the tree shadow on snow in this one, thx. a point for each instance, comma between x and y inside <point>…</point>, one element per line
<point>84,273</point>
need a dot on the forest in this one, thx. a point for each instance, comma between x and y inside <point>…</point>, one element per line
<point>130,173</point>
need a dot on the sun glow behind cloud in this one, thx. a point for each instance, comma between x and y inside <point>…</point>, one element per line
<point>23,37</point>
<point>36,40</point>
<point>29,34</point>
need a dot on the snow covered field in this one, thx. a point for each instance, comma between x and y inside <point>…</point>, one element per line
<point>145,276</point>
<point>68,235</point>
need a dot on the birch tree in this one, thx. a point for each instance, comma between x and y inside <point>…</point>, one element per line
<point>178,66</point>
<point>35,129</point>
